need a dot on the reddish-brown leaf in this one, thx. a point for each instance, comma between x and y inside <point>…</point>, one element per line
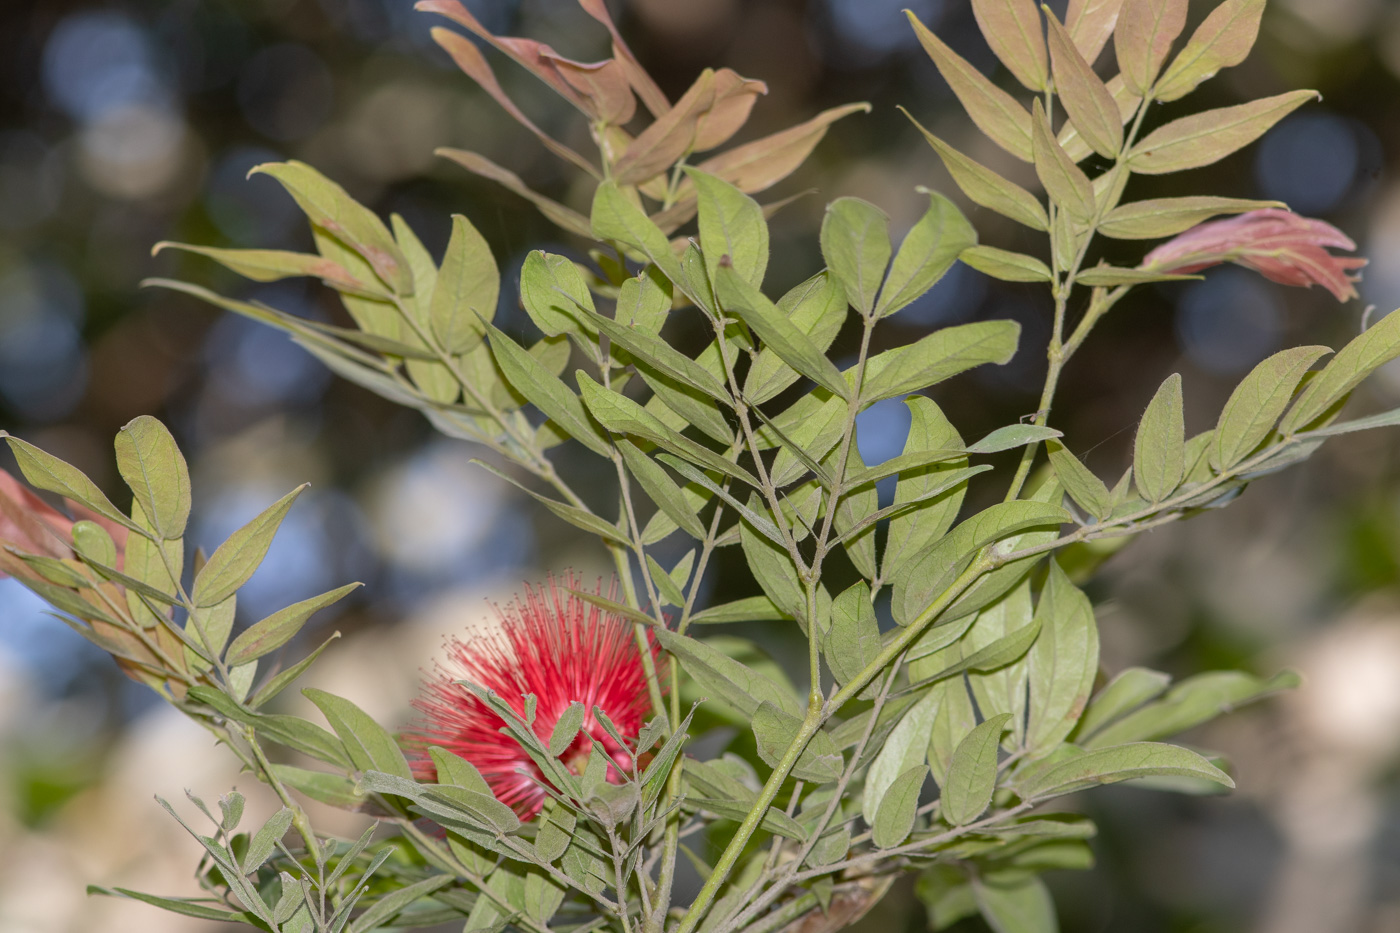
<point>1203,138</point>
<point>603,84</point>
<point>995,112</point>
<point>767,161</point>
<point>1087,100</point>
<point>1090,23</point>
<point>469,58</point>
<point>1144,35</point>
<point>646,88</point>
<point>1222,41</point>
<point>1012,28</point>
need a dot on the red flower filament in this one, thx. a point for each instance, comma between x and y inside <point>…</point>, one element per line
<point>561,649</point>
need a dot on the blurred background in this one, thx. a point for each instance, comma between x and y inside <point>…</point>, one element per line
<point>122,124</point>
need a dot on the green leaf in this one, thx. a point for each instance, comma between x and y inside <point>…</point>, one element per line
<point>816,307</point>
<point>734,683</point>
<point>938,566</point>
<point>820,762</point>
<point>771,565</point>
<point>1203,138</point>
<point>853,640</point>
<point>926,254</point>
<point>1063,663</point>
<point>1385,419</point>
<point>939,356</point>
<point>154,468</point>
<point>1102,276</point>
<point>392,904</point>
<point>996,113</point>
<point>1194,701</point>
<point>545,391</point>
<point>1354,362</point>
<point>1007,621</point>
<point>1086,99</point>
<point>336,790</point>
<point>904,747</point>
<point>282,680</point>
<point>1005,265</point>
<point>985,187</point>
<point>911,532</point>
<point>1064,182</point>
<point>855,240</point>
<point>616,218</point>
<point>972,776</point>
<point>1132,688</point>
<point>749,609</point>
<point>554,294</point>
<point>1082,485</point>
<point>1161,217</point>
<point>621,415</point>
<point>1159,448</point>
<point>51,474</point>
<point>777,331</point>
<point>467,287</point>
<point>186,907</point>
<point>280,627</point>
<point>1119,763</point>
<point>369,744</point>
<point>575,516</point>
<point>731,224</point>
<point>895,818</point>
<point>566,728</point>
<point>1143,37</point>
<point>1015,904</point>
<point>1223,40</point>
<point>662,356</point>
<point>328,206</point>
<point>1257,402</point>
<point>234,561</point>
<point>643,302</point>
<point>265,839</point>
<point>665,493</point>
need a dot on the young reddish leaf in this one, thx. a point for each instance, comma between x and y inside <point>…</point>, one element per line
<point>1067,186</point>
<point>985,187</point>
<point>603,86</point>
<point>1090,23</point>
<point>767,161</point>
<point>1127,103</point>
<point>1203,138</point>
<point>1222,41</point>
<point>1087,100</point>
<point>1278,244</point>
<point>1158,217</point>
<point>995,112</point>
<point>469,58</point>
<point>672,135</point>
<point>1144,35</point>
<point>1012,28</point>
<point>269,265</point>
<point>734,99</point>
<point>536,57</point>
<point>641,82</point>
<point>565,217</point>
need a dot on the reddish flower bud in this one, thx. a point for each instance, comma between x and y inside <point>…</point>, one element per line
<point>561,649</point>
<point>1278,244</point>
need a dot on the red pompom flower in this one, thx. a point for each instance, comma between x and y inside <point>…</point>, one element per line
<point>551,644</point>
<point>1279,245</point>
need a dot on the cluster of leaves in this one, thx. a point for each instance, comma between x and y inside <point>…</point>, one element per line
<point>985,683</point>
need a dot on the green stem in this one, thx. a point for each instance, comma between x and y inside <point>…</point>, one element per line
<point>808,728</point>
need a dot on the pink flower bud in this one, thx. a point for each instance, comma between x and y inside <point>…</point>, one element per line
<point>1278,244</point>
